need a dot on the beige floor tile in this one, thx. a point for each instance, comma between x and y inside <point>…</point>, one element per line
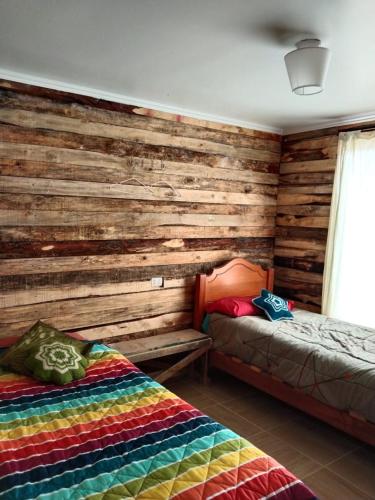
<point>328,486</point>
<point>288,456</point>
<point>315,439</point>
<point>183,387</point>
<point>359,468</point>
<point>189,392</point>
<point>224,388</point>
<point>263,410</point>
<point>233,421</point>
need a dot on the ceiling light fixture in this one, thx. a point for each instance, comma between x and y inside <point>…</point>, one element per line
<point>307,67</point>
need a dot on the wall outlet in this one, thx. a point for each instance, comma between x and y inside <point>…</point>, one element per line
<point>157,282</point>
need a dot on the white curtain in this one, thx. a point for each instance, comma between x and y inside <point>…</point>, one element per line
<point>349,274</point>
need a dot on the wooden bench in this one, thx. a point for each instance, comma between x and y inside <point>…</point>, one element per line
<point>166,344</point>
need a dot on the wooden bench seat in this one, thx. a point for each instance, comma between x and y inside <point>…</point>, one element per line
<point>166,344</point>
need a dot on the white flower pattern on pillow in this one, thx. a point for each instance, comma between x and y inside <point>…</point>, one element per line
<point>59,357</point>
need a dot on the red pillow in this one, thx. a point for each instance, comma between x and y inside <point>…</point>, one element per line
<point>8,341</point>
<point>291,305</point>
<point>234,306</point>
<point>238,306</point>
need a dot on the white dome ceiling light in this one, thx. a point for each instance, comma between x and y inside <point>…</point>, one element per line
<point>307,67</point>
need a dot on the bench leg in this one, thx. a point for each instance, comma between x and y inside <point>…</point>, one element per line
<point>205,368</point>
<point>180,364</point>
<point>192,369</point>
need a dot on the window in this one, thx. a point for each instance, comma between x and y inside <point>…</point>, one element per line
<point>349,276</point>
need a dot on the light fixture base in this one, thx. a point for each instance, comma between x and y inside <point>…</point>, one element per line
<point>307,43</point>
<point>294,37</point>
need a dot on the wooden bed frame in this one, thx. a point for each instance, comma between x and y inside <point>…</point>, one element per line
<point>241,278</point>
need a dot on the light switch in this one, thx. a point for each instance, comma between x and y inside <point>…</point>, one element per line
<point>157,282</point>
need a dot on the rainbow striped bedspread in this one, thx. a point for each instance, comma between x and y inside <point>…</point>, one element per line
<point>118,434</point>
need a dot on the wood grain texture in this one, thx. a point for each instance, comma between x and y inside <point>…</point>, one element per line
<point>88,215</point>
<point>142,119</point>
<point>84,233</point>
<point>13,184</point>
<point>81,126</point>
<point>47,280</point>
<point>223,168</point>
<point>163,345</point>
<point>140,328</point>
<point>303,208</point>
<point>11,201</point>
<point>259,247</point>
<point>139,219</point>
<point>49,294</point>
<point>150,176</point>
<point>13,267</point>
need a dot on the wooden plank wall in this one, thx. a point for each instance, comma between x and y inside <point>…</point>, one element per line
<point>81,230</point>
<point>307,169</point>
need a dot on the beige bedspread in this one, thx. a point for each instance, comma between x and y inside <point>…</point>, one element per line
<point>328,359</point>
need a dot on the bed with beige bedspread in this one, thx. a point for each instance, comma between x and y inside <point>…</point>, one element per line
<point>330,360</point>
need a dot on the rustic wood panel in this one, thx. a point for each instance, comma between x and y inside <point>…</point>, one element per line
<point>97,197</point>
<point>62,279</point>
<point>11,201</point>
<point>85,233</point>
<point>56,218</point>
<point>259,247</point>
<point>139,328</point>
<point>307,169</point>
<point>231,170</point>
<point>154,121</point>
<point>50,121</point>
<point>48,294</point>
<point>13,267</point>
<point>115,175</point>
<point>13,184</point>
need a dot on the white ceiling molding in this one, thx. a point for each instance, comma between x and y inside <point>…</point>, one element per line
<point>342,121</point>
<point>124,99</point>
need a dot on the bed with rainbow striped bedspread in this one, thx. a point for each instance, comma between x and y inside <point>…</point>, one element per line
<point>118,434</point>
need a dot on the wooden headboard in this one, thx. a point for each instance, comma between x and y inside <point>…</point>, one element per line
<point>236,278</point>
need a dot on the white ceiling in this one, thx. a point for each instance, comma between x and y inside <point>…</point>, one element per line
<point>221,59</point>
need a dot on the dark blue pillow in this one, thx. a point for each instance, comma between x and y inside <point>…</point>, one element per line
<point>275,307</point>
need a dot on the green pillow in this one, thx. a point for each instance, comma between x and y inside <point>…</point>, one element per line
<point>57,362</point>
<point>14,358</point>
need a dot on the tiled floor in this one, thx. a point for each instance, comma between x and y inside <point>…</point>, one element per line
<point>334,465</point>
